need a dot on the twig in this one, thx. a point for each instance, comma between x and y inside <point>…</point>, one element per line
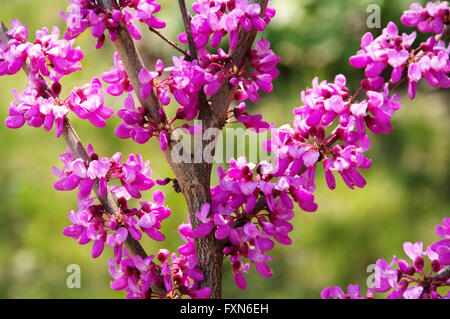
<point>171,43</point>
<point>187,27</point>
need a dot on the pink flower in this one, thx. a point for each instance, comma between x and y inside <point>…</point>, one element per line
<point>134,126</point>
<point>117,78</point>
<point>428,19</point>
<point>87,103</point>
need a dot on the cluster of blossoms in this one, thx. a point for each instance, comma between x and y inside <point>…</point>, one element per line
<point>134,174</point>
<point>248,222</point>
<point>263,62</point>
<point>86,14</point>
<point>185,80</point>
<point>219,18</point>
<point>405,281</point>
<point>250,228</point>
<point>47,55</point>
<point>253,204</point>
<point>325,103</point>
<point>117,78</point>
<point>92,222</point>
<point>177,277</point>
<point>428,60</point>
<point>48,58</point>
<point>432,18</point>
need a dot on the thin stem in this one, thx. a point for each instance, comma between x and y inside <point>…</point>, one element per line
<point>171,43</point>
<point>187,27</point>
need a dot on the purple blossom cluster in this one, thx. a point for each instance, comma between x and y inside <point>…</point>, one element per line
<point>93,223</point>
<point>263,62</point>
<point>177,278</point>
<point>407,280</point>
<point>47,55</point>
<point>135,123</point>
<point>186,80</point>
<point>428,60</point>
<point>48,59</point>
<point>235,215</point>
<point>36,107</point>
<point>219,18</point>
<point>252,206</point>
<point>250,212</point>
<point>86,14</point>
<point>432,18</point>
<point>87,103</point>
<point>298,150</point>
<point>117,78</point>
<point>176,275</point>
<point>134,174</point>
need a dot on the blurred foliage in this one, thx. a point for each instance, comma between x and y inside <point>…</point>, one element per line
<point>406,194</point>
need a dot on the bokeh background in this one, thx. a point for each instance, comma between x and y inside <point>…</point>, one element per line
<point>406,196</point>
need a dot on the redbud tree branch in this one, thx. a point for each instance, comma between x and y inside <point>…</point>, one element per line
<point>193,178</point>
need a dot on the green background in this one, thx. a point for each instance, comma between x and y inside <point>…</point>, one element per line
<point>406,194</point>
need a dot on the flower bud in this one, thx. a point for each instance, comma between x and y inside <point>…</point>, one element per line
<point>419,263</point>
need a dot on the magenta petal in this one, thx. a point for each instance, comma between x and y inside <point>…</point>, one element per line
<point>85,188</point>
<point>163,140</point>
<point>15,121</point>
<point>195,274</point>
<point>187,250</point>
<point>102,187</point>
<point>240,280</point>
<point>145,91</point>
<point>97,248</point>
<point>154,234</point>
<point>222,232</point>
<point>203,230</point>
<point>263,269</point>
<point>68,183</point>
<point>120,283</point>
<point>122,131</point>
<point>358,61</point>
<point>204,293</point>
<point>73,231</point>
